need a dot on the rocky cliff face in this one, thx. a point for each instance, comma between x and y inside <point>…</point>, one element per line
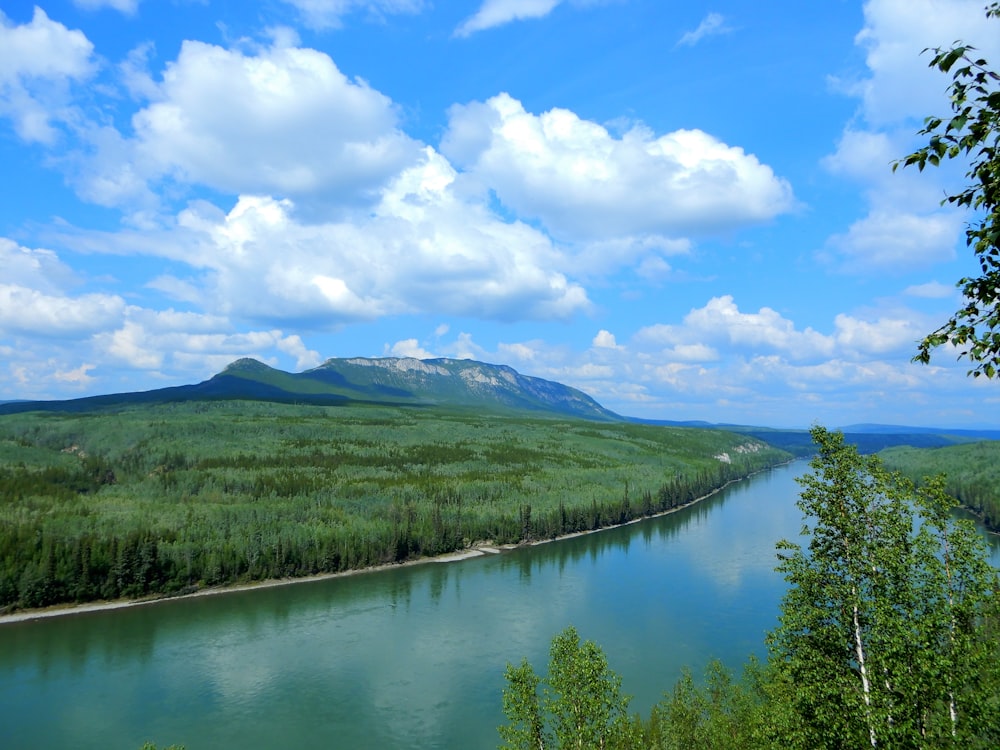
<point>458,382</point>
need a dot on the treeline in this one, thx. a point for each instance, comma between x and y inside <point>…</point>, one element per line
<point>166,500</point>
<point>972,474</point>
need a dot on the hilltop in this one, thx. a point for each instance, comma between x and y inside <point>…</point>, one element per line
<point>457,383</point>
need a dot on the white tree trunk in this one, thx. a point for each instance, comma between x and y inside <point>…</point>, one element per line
<point>859,651</point>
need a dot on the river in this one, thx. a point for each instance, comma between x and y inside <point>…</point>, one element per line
<point>407,657</point>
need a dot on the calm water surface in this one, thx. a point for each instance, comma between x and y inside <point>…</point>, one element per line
<point>405,658</point>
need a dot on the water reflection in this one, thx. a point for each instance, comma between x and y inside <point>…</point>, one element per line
<point>408,657</point>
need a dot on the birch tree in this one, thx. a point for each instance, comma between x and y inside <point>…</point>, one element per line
<point>578,704</point>
<point>880,639</point>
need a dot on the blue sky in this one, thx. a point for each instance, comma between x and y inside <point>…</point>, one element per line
<point>686,210</point>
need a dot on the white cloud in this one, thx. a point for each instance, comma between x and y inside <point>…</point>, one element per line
<point>931,290</point>
<point>77,376</point>
<point>520,351</point>
<point>167,340</point>
<point>713,24</point>
<point>34,300</point>
<point>644,254</point>
<point>494,13</point>
<point>25,311</point>
<point>422,248</point>
<point>408,348</point>
<point>605,340</point>
<point>880,336</point>
<point>905,227</point>
<point>585,184</point>
<point>864,155</point>
<point>692,353</point>
<point>326,14</point>
<point>895,242</point>
<point>39,268</point>
<point>721,321</point>
<point>305,358</point>
<point>285,121</point>
<point>465,348</point>
<point>38,61</point>
<point>900,84</point>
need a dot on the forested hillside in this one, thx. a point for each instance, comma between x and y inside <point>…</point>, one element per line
<point>161,499</point>
<point>973,473</point>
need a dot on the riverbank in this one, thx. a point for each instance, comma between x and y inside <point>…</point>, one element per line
<point>476,550</point>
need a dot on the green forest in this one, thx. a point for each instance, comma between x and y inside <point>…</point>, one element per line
<point>973,474</point>
<point>165,499</point>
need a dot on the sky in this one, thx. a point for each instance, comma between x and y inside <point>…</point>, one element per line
<point>685,210</point>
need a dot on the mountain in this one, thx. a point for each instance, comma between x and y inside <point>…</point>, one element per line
<point>459,383</point>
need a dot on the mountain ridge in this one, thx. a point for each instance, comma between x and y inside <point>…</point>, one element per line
<point>404,381</point>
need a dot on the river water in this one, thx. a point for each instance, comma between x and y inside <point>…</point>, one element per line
<point>408,657</point>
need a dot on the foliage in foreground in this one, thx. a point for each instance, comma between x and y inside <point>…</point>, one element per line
<point>972,132</point>
<point>164,499</point>
<point>882,635</point>
<point>580,704</point>
<point>887,636</point>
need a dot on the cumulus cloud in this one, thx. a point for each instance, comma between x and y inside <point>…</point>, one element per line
<point>100,333</point>
<point>284,121</point>
<point>408,348</point>
<point>168,340</point>
<point>294,346</point>
<point>38,62</point>
<point>584,183</point>
<point>722,364</point>
<point>37,268</point>
<point>644,254</point>
<point>904,227</point>
<point>25,311</point>
<point>863,155</point>
<point>899,84</point>
<point>876,337</point>
<point>895,242</point>
<point>605,340</point>
<point>721,321</point>
<point>520,351</point>
<point>713,24</point>
<point>499,12</point>
<point>34,300</point>
<point>422,248</point>
<point>78,376</point>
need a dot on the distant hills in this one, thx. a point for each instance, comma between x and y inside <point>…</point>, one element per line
<point>869,438</point>
<point>457,383</point>
<point>462,384</point>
